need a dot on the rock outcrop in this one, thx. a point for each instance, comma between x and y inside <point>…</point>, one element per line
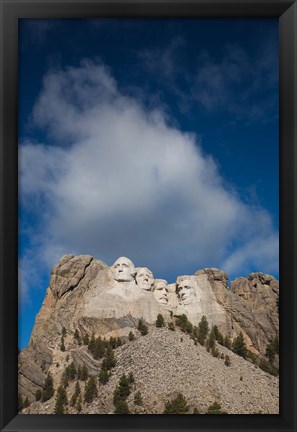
<point>85,294</point>
<point>250,304</point>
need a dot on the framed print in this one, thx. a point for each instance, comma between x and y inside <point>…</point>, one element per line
<point>148,189</point>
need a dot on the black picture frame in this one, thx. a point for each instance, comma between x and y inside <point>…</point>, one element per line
<point>11,11</point>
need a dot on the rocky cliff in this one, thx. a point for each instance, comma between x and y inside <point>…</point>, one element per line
<point>89,297</point>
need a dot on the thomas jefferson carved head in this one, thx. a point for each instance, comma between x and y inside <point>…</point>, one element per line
<point>144,278</point>
<point>160,291</point>
<point>123,270</point>
<point>185,290</point>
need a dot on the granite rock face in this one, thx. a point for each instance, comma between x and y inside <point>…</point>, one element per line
<point>250,305</point>
<point>86,294</point>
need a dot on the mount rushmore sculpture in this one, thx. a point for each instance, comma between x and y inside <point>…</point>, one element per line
<point>123,289</point>
<point>86,293</point>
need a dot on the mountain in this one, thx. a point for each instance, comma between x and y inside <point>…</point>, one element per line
<point>87,298</point>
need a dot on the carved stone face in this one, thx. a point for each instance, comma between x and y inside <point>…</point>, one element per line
<point>185,291</point>
<point>144,278</point>
<point>123,270</point>
<point>160,291</point>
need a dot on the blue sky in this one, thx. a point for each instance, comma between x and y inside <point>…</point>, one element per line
<point>152,139</point>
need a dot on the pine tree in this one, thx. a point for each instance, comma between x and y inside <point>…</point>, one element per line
<point>131,336</point>
<point>227,342</point>
<point>215,408</point>
<point>268,367</point>
<point>215,331</point>
<point>211,342</point>
<point>176,406</point>
<point>103,376</point>
<point>142,328</point>
<point>131,378</point>
<point>79,404</point>
<point>160,321</point>
<point>220,339</point>
<point>65,379</point>
<point>84,373</point>
<point>112,343</point>
<point>63,395</point>
<point>184,324</point>
<point>272,349</point>
<point>91,345</point>
<point>203,329</point>
<point>124,386</point>
<point>138,399</point>
<point>48,389</point>
<point>90,390</point>
<point>121,407</point>
<point>109,360</point>
<point>122,390</point>
<point>59,406</point>
<point>61,401</point>
<point>75,395</point>
<point>99,348</point>
<point>218,335</point>
<point>239,346</point>
<point>255,359</point>
<point>38,395</point>
<point>63,332</point>
<point>71,371</point>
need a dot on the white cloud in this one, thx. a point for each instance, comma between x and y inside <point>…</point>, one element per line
<point>118,180</point>
<point>255,250</point>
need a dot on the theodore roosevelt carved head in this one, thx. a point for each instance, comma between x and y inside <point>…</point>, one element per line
<point>160,291</point>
